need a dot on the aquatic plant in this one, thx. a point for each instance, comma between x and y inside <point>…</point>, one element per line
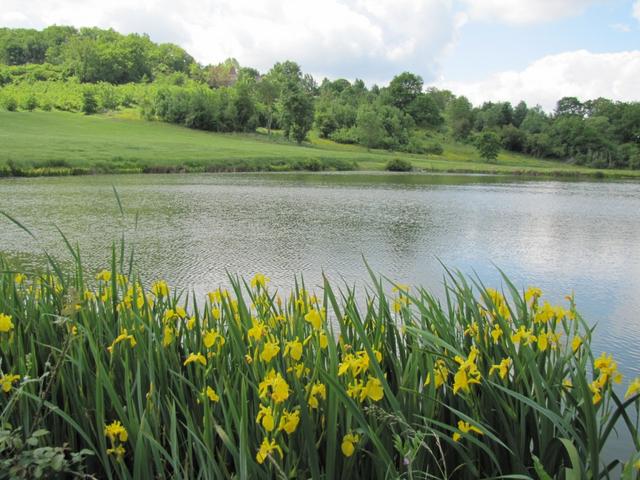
<point>253,383</point>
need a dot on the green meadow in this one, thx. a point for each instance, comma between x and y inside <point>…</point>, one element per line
<point>60,143</point>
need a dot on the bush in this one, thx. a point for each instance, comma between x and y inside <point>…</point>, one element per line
<point>11,104</point>
<point>434,149</point>
<point>31,103</point>
<point>488,145</point>
<point>339,164</point>
<point>513,138</point>
<point>108,96</point>
<point>29,458</point>
<point>420,146</point>
<point>345,135</point>
<point>398,165</point>
<point>89,103</point>
<point>314,165</point>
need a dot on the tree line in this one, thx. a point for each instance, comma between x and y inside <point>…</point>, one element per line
<point>227,97</point>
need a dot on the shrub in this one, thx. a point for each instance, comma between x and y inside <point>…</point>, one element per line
<point>314,165</point>
<point>488,145</point>
<point>89,102</point>
<point>345,135</point>
<point>11,104</point>
<point>399,165</point>
<point>108,96</point>
<point>28,458</point>
<point>31,103</point>
<point>434,149</point>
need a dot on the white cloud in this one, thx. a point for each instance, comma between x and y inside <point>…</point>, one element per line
<point>350,38</point>
<point>579,73</point>
<point>621,27</point>
<point>523,12</point>
<point>636,10</point>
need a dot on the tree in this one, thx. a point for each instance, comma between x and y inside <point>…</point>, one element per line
<point>425,111</point>
<point>283,73</point>
<point>295,103</point>
<point>493,115</point>
<point>404,89</point>
<point>513,138</point>
<point>488,145</point>
<point>296,111</point>
<point>245,108</point>
<point>519,114</point>
<point>325,117</point>
<point>369,127</point>
<point>460,113</point>
<point>569,106</point>
<point>535,121</point>
<point>171,58</point>
<point>89,102</point>
<point>268,94</point>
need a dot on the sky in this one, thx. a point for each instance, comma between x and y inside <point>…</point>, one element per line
<point>532,50</point>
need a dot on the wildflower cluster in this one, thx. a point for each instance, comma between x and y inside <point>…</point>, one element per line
<point>117,436</point>
<point>247,380</point>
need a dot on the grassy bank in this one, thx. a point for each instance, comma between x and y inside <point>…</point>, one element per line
<point>143,382</point>
<point>61,143</point>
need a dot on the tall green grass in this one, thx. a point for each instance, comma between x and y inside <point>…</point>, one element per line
<point>372,391</point>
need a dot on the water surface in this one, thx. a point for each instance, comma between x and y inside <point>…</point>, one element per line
<point>562,236</point>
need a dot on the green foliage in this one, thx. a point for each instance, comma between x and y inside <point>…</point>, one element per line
<point>89,102</point>
<point>107,96</point>
<point>403,90</point>
<point>31,103</point>
<point>28,458</point>
<point>40,139</point>
<point>535,121</point>
<point>345,135</point>
<point>425,112</point>
<point>46,69</point>
<point>383,126</point>
<point>493,116</point>
<point>370,129</point>
<point>392,371</point>
<point>460,115</point>
<point>267,92</point>
<point>519,114</point>
<point>90,54</point>
<point>488,145</point>
<point>10,104</point>
<point>220,110</point>
<point>296,112</point>
<point>513,138</point>
<point>398,165</point>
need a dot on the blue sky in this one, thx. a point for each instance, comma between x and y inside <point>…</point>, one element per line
<point>485,47</point>
<point>536,50</point>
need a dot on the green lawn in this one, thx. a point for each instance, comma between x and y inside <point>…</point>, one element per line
<point>58,142</point>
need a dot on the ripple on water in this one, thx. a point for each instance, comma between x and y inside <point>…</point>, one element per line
<point>191,229</point>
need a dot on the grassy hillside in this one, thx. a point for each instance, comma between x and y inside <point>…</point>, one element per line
<point>36,143</point>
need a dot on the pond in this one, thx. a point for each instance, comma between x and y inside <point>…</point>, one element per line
<point>563,236</point>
